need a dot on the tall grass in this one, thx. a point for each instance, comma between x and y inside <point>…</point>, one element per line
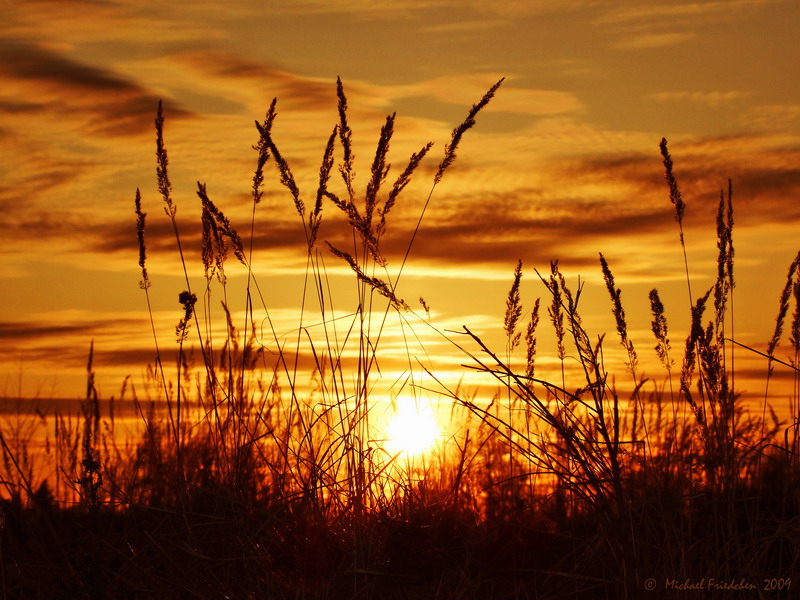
<point>650,477</point>
<point>252,475</point>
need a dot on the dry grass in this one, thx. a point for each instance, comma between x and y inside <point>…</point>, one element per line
<point>249,481</point>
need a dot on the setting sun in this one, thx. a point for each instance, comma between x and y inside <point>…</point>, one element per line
<point>412,429</point>
<point>353,300</point>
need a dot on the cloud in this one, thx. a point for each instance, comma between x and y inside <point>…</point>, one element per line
<point>66,24</point>
<point>12,331</point>
<point>583,205</point>
<point>463,26</point>
<point>653,40</point>
<point>390,9</point>
<point>676,13</point>
<point>772,117</point>
<point>761,166</point>
<point>30,177</point>
<point>660,24</point>
<point>64,339</point>
<point>317,94</point>
<point>570,208</point>
<point>56,226</point>
<point>713,99</point>
<point>293,90</point>
<point>95,99</point>
<point>465,90</point>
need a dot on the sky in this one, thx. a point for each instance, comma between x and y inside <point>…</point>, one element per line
<point>563,163</point>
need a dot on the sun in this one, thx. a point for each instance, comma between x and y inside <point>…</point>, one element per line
<point>412,429</point>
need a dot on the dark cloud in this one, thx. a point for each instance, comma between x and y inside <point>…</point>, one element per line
<point>32,63</point>
<point>136,358</point>
<point>38,330</point>
<point>50,225</point>
<point>292,90</point>
<point>120,236</point>
<point>628,201</point>
<point>77,357</point>
<point>763,178</point>
<point>18,107</point>
<point>43,329</point>
<point>111,104</point>
<point>539,240</point>
<point>22,188</point>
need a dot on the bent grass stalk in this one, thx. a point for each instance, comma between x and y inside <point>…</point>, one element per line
<point>277,471</point>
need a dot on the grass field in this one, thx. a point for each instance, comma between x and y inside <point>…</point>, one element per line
<point>260,466</point>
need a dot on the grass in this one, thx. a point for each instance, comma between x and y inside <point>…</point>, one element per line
<point>251,479</point>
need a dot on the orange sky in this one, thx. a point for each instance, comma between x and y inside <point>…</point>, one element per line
<point>564,162</point>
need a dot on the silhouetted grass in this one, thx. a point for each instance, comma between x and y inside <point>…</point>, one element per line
<point>251,478</point>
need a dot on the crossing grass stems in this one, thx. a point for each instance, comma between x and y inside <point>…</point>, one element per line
<point>248,471</point>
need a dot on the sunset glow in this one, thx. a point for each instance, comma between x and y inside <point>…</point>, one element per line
<point>399,298</point>
<point>412,429</point>
<point>563,164</point>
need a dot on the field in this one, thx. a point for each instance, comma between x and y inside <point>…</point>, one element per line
<point>266,464</point>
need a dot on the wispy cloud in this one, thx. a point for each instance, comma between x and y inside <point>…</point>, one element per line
<point>457,27</point>
<point>641,41</point>
<point>464,90</point>
<point>714,99</point>
<point>12,331</point>
<point>129,23</point>
<point>95,99</point>
<point>658,24</point>
<point>772,117</point>
<point>678,12</point>
<point>299,92</point>
<point>389,8</point>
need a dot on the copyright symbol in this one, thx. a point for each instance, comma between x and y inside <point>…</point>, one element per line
<point>650,584</point>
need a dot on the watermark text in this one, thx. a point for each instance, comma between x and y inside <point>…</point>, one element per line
<point>711,584</point>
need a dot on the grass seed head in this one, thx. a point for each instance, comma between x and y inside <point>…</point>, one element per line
<point>140,226</point>
<point>674,192</point>
<point>458,132</point>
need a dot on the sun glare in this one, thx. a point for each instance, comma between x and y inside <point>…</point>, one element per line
<point>412,429</point>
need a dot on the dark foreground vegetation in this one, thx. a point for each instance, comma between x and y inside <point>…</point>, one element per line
<point>252,477</point>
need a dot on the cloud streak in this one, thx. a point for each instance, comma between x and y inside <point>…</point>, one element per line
<point>106,103</point>
<point>648,25</point>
